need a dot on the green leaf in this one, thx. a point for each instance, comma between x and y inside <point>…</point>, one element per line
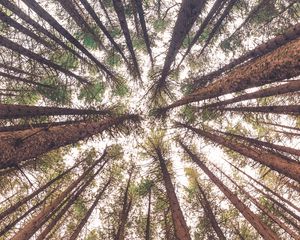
<point>92,93</point>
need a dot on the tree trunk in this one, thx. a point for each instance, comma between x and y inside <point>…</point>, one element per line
<point>282,126</point>
<point>271,45</point>
<point>16,10</point>
<point>88,213</point>
<point>140,10</point>
<point>282,63</point>
<point>25,52</point>
<point>291,86</point>
<point>209,213</point>
<point>148,223</point>
<point>23,145</point>
<point>119,8</point>
<point>181,229</point>
<point>17,70</point>
<point>11,111</point>
<point>288,109</point>
<point>106,13</point>
<point>253,219</point>
<point>290,169</point>
<point>35,223</point>
<point>48,18</point>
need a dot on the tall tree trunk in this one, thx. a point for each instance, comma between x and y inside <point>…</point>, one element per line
<point>27,144</point>
<point>291,86</point>
<point>282,126</point>
<point>10,111</point>
<point>119,8</point>
<point>253,219</point>
<point>267,47</point>
<point>24,80</point>
<point>48,18</point>
<point>35,223</point>
<point>264,70</point>
<point>209,213</point>
<point>106,13</point>
<point>7,66</point>
<point>148,223</point>
<point>181,229</point>
<point>288,109</point>
<point>290,169</point>
<point>99,23</point>
<point>140,10</point>
<point>16,10</point>
<point>25,52</point>
<point>89,212</point>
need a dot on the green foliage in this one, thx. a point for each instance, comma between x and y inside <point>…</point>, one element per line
<point>87,40</point>
<point>79,208</point>
<point>204,36</point>
<point>186,42</point>
<point>267,12</point>
<point>121,89</point>
<point>113,59</point>
<point>160,25</point>
<point>92,93</point>
<point>115,32</point>
<point>188,113</point>
<point>139,44</point>
<point>208,115</point>
<point>115,151</point>
<point>93,235</point>
<point>144,187</point>
<point>65,59</point>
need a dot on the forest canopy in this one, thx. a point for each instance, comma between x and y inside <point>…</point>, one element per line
<point>151,119</point>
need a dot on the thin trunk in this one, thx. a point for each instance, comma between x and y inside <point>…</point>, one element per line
<point>264,70</point>
<point>89,212</point>
<point>290,169</point>
<point>140,10</point>
<point>24,200</point>
<point>48,18</point>
<point>262,208</point>
<point>106,13</point>
<point>291,86</point>
<point>267,47</point>
<point>8,20</point>
<point>253,219</point>
<point>267,188</point>
<point>16,10</point>
<point>216,8</point>
<point>17,70</point>
<point>119,8</point>
<point>27,144</point>
<point>282,126</point>
<point>25,52</point>
<point>288,109</point>
<point>11,111</point>
<point>181,229</point>
<point>8,94</point>
<point>148,223</point>
<point>188,14</point>
<point>24,80</point>
<point>97,20</point>
<point>287,133</point>
<point>135,18</point>
<point>209,213</point>
<point>35,223</point>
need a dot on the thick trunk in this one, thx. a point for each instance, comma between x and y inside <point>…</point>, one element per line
<point>23,145</point>
<point>10,111</point>
<point>25,52</point>
<point>24,80</point>
<point>274,43</point>
<point>89,212</point>
<point>16,10</point>
<point>35,223</point>
<point>97,20</point>
<point>119,8</point>
<point>290,169</point>
<point>181,229</point>
<point>253,219</point>
<point>290,87</point>
<point>140,10</point>
<point>282,63</point>
<point>259,143</point>
<point>48,18</point>
<point>287,109</point>
<point>148,223</point>
<point>209,213</point>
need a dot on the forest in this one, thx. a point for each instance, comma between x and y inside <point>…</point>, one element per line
<point>149,119</point>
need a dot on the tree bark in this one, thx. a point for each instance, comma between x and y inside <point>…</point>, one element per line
<point>290,169</point>
<point>253,219</point>
<point>11,111</point>
<point>181,229</point>
<point>23,145</point>
<point>282,126</point>
<point>148,223</point>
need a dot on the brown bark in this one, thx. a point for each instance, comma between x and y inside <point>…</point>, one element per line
<point>10,111</point>
<point>7,66</point>
<point>181,229</point>
<point>35,223</point>
<point>253,219</point>
<point>282,126</point>
<point>267,47</point>
<point>209,213</point>
<point>148,223</point>
<point>290,169</point>
<point>291,86</point>
<point>89,212</point>
<point>23,145</point>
